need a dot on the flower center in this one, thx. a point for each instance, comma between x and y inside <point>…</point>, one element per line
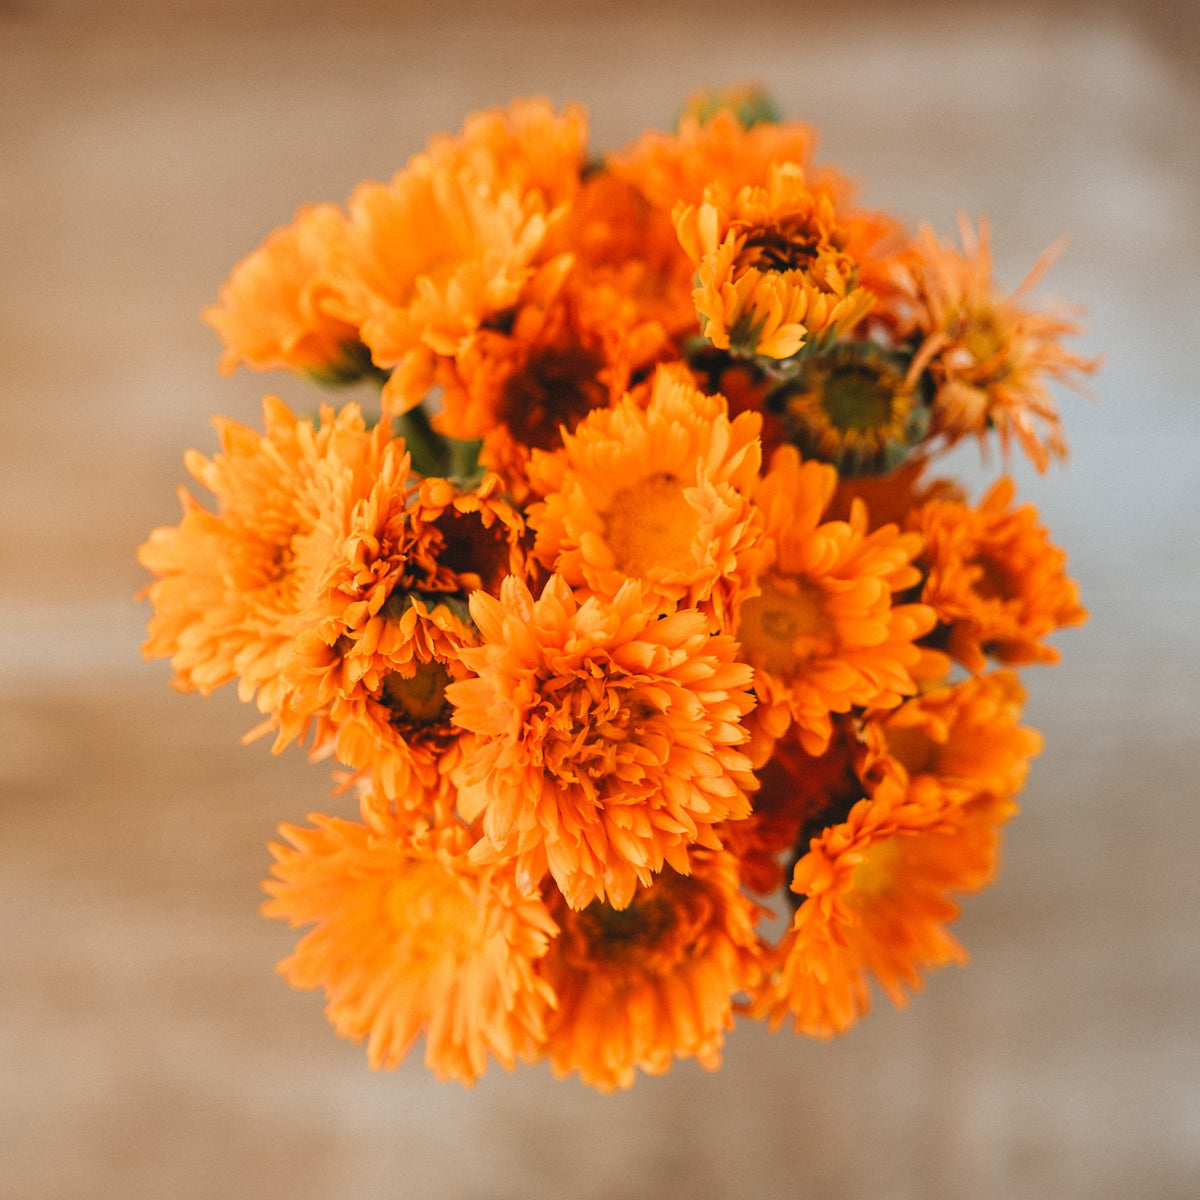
<point>651,526</point>
<point>784,626</point>
<point>557,387</point>
<point>431,911</point>
<point>419,699</point>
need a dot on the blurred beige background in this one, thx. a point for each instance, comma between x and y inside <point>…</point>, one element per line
<point>146,1047</point>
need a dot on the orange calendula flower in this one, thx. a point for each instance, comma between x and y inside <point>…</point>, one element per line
<point>381,638</point>
<point>411,937</point>
<point>605,737</point>
<point>657,493</point>
<point>877,894</point>
<point>232,586</point>
<point>520,388</point>
<point>524,146</point>
<point>672,168</point>
<point>966,735</point>
<point>640,986</point>
<point>822,633</point>
<point>989,355</point>
<point>998,585</point>
<point>273,311</point>
<point>424,260</point>
<point>799,795</point>
<point>776,267</point>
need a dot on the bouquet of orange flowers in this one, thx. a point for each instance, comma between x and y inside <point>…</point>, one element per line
<point>634,604</point>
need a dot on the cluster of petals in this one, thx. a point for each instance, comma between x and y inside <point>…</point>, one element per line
<point>998,585</point>
<point>605,737</point>
<point>823,633</point>
<point>878,894</point>
<point>638,987</point>
<point>411,937</point>
<point>658,493</point>
<point>990,355</point>
<point>774,265</point>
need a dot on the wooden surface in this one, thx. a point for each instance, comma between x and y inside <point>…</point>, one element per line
<point>146,1047</point>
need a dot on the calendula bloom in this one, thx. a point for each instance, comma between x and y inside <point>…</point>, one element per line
<point>998,585</point>
<point>640,986</point>
<point>519,389</point>
<point>853,407</point>
<point>823,634</point>
<point>606,737</point>
<point>799,795</point>
<point>272,311</point>
<point>657,493</point>
<point>232,585</point>
<point>965,734</point>
<point>381,638</point>
<point>425,260</point>
<point>718,152</point>
<point>877,897</point>
<point>990,356</point>
<point>410,937</point>
<point>775,266</point>
<point>524,146</point>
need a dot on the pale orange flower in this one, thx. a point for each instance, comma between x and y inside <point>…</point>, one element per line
<point>877,897</point>
<point>965,734</point>
<point>990,356</point>
<point>776,267</point>
<point>524,146</point>
<point>640,986</point>
<point>718,152</point>
<point>605,737</point>
<point>232,586</point>
<point>823,634</point>
<point>410,937</point>
<point>425,260</point>
<point>657,493</point>
<point>272,310</point>
<point>997,583</point>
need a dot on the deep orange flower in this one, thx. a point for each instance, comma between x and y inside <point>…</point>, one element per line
<point>606,737</point>
<point>966,735</point>
<point>232,586</point>
<point>272,311</point>
<point>520,388</point>
<point>640,986</point>
<point>990,356</point>
<point>657,493</point>
<point>799,795</point>
<point>776,268</point>
<point>823,634</point>
<point>998,585</point>
<point>877,898</point>
<point>411,937</point>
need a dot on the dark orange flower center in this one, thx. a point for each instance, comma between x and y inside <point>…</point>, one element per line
<point>557,388</point>
<point>651,525</point>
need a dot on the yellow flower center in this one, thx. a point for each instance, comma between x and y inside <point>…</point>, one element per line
<point>876,873</point>
<point>651,526</point>
<point>784,626</point>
